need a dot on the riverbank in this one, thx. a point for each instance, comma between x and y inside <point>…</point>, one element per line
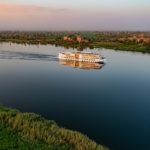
<point>128,41</point>
<point>31,131</point>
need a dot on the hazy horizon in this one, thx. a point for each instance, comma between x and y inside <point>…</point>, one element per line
<point>65,15</point>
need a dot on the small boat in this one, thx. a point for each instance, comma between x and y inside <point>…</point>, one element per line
<point>83,57</point>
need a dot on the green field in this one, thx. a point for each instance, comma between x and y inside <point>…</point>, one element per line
<point>25,131</point>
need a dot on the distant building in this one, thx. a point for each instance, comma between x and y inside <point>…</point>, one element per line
<point>79,38</point>
<point>143,40</point>
<point>131,39</point>
<point>122,39</point>
<point>66,38</point>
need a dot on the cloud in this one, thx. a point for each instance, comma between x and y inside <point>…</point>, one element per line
<point>12,8</point>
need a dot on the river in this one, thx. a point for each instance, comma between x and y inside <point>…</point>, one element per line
<point>110,103</point>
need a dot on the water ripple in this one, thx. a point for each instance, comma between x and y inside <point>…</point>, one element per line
<point>27,56</point>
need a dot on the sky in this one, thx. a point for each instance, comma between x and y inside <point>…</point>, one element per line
<point>95,15</point>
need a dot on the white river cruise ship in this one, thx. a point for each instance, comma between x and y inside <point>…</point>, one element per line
<point>83,57</point>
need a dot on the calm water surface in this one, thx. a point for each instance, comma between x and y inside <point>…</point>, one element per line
<point>111,105</point>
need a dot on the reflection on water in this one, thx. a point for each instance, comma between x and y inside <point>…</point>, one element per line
<point>26,56</point>
<point>81,65</point>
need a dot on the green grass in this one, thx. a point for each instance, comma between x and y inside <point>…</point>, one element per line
<point>31,131</point>
<point>10,140</point>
